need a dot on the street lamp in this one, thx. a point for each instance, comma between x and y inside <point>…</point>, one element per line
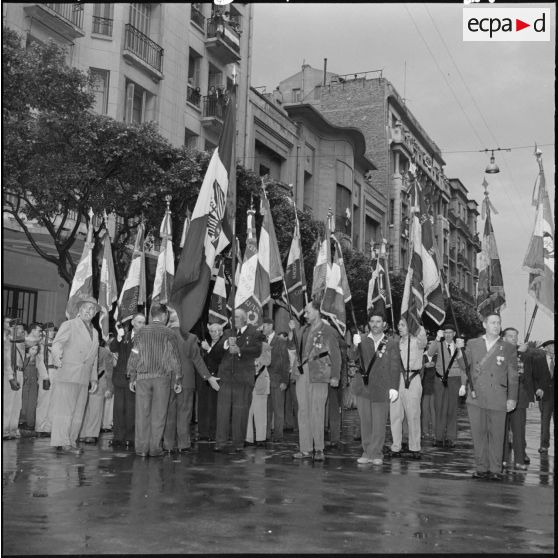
<point>492,167</point>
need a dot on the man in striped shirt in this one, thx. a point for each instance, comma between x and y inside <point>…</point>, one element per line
<point>154,366</point>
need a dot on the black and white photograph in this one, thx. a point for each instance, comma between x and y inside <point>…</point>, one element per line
<point>278,278</point>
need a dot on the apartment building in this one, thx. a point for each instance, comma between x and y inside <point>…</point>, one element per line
<point>168,63</point>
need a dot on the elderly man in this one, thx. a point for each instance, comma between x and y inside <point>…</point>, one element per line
<point>181,403</point>
<point>449,366</point>
<point>494,376</point>
<point>543,375</point>
<point>407,405</point>
<point>278,381</point>
<point>376,386</point>
<point>124,417</point>
<point>237,374</point>
<point>74,353</point>
<point>212,353</point>
<point>321,366</point>
<point>153,366</point>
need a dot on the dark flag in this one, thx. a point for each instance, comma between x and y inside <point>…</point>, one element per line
<point>218,312</point>
<point>295,281</point>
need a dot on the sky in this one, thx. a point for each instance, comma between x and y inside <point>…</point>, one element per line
<point>468,96</point>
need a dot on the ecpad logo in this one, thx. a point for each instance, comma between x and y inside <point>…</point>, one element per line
<point>506,24</point>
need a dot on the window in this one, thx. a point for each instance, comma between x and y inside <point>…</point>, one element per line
<point>296,96</point>
<point>19,303</point>
<point>194,93</point>
<point>138,103</point>
<point>264,171</point>
<point>140,17</point>
<point>343,205</point>
<point>317,92</point>
<point>209,146</point>
<point>215,78</point>
<point>102,19</point>
<point>190,139</point>
<point>100,89</point>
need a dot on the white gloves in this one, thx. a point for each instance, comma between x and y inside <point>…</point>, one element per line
<point>539,393</point>
<point>213,382</point>
<point>205,345</point>
<point>119,333</point>
<point>439,334</point>
<point>177,388</point>
<point>393,395</point>
<point>460,343</point>
<point>94,385</point>
<point>356,339</point>
<point>462,391</point>
<point>510,405</point>
<point>133,386</point>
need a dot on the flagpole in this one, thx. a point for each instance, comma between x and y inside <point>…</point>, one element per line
<point>388,284</point>
<point>528,334</point>
<point>232,208</point>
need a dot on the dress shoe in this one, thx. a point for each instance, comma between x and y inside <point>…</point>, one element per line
<point>90,440</point>
<point>394,453</point>
<point>115,443</point>
<point>496,477</point>
<point>218,448</point>
<point>526,460</point>
<point>449,444</point>
<point>415,455</point>
<point>260,444</point>
<point>319,455</point>
<point>543,450</point>
<point>169,451</point>
<point>72,449</point>
<point>302,455</point>
<point>363,460</point>
<point>480,475</point>
<point>438,444</point>
<point>377,461</point>
<point>185,450</point>
<point>504,464</point>
<point>357,438</point>
<point>159,453</point>
<point>129,444</point>
<point>141,453</point>
<point>520,466</point>
<point>203,439</point>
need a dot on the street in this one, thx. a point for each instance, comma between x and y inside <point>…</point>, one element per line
<point>111,501</point>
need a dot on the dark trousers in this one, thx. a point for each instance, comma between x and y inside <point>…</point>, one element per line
<point>207,409</point>
<point>291,406</point>
<point>29,396</point>
<point>124,414</point>
<point>275,412</point>
<point>179,415</point>
<point>488,432</point>
<point>334,402</point>
<point>547,412</point>
<point>233,405</point>
<point>152,400</point>
<point>445,403</point>
<point>516,422</point>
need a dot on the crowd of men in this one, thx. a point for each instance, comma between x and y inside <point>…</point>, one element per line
<point>249,385</point>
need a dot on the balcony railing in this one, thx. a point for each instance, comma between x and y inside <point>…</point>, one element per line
<point>143,47</point>
<point>214,107</point>
<point>343,225</point>
<point>197,17</point>
<point>224,31</point>
<point>102,26</point>
<point>193,95</point>
<point>71,12</point>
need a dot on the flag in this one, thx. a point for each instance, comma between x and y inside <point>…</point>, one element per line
<point>337,291</point>
<point>108,291</point>
<point>423,288</point>
<point>210,227</point>
<point>82,283</point>
<point>490,288</point>
<point>539,259</point>
<point>238,267</point>
<point>295,281</point>
<point>320,268</point>
<point>164,274</point>
<point>133,292</point>
<point>378,296</point>
<point>246,295</point>
<point>185,227</point>
<point>218,312</point>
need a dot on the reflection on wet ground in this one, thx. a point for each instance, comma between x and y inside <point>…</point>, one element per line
<point>110,501</point>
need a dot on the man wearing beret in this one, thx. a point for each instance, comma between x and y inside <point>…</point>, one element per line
<point>449,366</point>
<point>493,393</point>
<point>75,354</point>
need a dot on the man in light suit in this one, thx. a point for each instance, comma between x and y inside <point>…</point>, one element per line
<point>279,379</point>
<point>74,353</point>
<point>494,390</point>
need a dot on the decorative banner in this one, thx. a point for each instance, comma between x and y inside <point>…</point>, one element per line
<point>108,292</point>
<point>218,312</point>
<point>164,274</point>
<point>295,281</point>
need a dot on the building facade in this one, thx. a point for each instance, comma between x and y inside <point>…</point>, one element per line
<point>151,62</point>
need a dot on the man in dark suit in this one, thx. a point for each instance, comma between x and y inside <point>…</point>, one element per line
<point>516,420</point>
<point>376,386</point>
<point>181,404</point>
<point>543,377</point>
<point>279,378</point>
<point>237,374</point>
<point>124,417</point>
<point>493,371</point>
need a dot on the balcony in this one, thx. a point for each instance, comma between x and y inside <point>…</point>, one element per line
<point>452,253</point>
<point>141,51</point>
<point>213,112</point>
<point>102,26</point>
<point>64,19</point>
<point>193,96</point>
<point>446,259</point>
<point>197,17</point>
<point>223,41</point>
<point>452,218</point>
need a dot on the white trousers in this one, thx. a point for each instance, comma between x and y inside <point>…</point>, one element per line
<point>407,405</point>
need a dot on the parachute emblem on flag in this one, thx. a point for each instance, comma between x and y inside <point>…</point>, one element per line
<point>216,213</point>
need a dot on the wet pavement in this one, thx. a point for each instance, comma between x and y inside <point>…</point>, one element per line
<point>111,501</point>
